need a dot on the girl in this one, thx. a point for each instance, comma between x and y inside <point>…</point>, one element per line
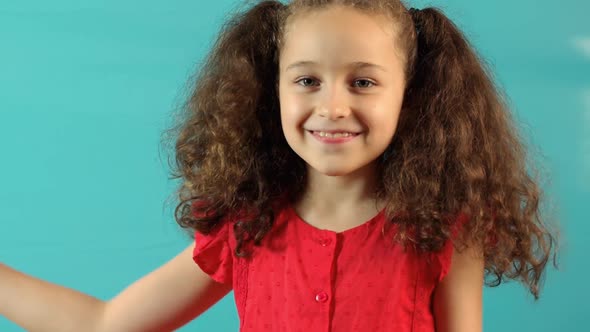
<point>348,165</point>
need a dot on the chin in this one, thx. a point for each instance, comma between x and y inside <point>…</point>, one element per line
<point>330,170</point>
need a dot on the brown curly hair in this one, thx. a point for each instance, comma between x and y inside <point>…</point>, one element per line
<point>456,149</point>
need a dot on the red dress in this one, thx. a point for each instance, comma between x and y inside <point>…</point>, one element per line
<point>312,280</point>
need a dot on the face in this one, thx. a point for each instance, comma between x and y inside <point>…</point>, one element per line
<point>341,87</point>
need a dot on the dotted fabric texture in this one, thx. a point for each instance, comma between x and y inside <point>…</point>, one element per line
<point>307,279</point>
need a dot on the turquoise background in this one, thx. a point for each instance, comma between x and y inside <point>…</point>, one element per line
<point>86,89</point>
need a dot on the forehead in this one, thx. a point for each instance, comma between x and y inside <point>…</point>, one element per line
<point>338,34</point>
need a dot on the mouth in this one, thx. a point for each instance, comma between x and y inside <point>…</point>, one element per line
<point>333,134</point>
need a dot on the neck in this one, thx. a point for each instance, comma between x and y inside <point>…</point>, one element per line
<point>332,193</point>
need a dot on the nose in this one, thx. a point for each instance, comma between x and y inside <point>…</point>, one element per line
<point>334,104</point>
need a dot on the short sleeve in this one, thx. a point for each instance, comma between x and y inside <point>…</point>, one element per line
<point>443,258</point>
<point>213,254</point>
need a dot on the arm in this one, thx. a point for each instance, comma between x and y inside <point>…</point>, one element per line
<point>163,300</point>
<point>457,302</point>
<point>37,305</point>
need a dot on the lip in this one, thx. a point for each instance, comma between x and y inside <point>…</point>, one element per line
<point>333,140</point>
<point>331,131</point>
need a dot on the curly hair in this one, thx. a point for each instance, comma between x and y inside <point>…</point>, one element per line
<point>456,149</point>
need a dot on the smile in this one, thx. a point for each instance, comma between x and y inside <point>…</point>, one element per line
<point>333,134</point>
<point>333,137</point>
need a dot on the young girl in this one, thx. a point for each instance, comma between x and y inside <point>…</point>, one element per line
<point>348,166</point>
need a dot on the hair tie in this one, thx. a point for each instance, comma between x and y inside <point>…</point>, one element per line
<point>417,26</point>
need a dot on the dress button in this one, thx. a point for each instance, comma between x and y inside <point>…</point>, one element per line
<point>321,297</point>
<point>325,242</point>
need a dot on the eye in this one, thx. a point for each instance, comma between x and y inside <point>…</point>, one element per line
<point>305,81</point>
<point>364,83</point>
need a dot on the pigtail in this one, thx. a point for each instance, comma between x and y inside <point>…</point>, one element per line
<point>456,151</point>
<point>224,151</point>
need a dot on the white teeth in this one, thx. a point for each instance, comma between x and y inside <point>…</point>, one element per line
<point>333,135</point>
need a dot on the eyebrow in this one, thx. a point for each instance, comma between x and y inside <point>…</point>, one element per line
<point>356,65</point>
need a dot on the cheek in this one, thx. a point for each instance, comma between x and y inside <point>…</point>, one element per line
<point>389,125</point>
<point>382,124</point>
<point>292,112</point>
<point>387,117</point>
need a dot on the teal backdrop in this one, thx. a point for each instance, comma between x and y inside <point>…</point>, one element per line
<point>87,87</point>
